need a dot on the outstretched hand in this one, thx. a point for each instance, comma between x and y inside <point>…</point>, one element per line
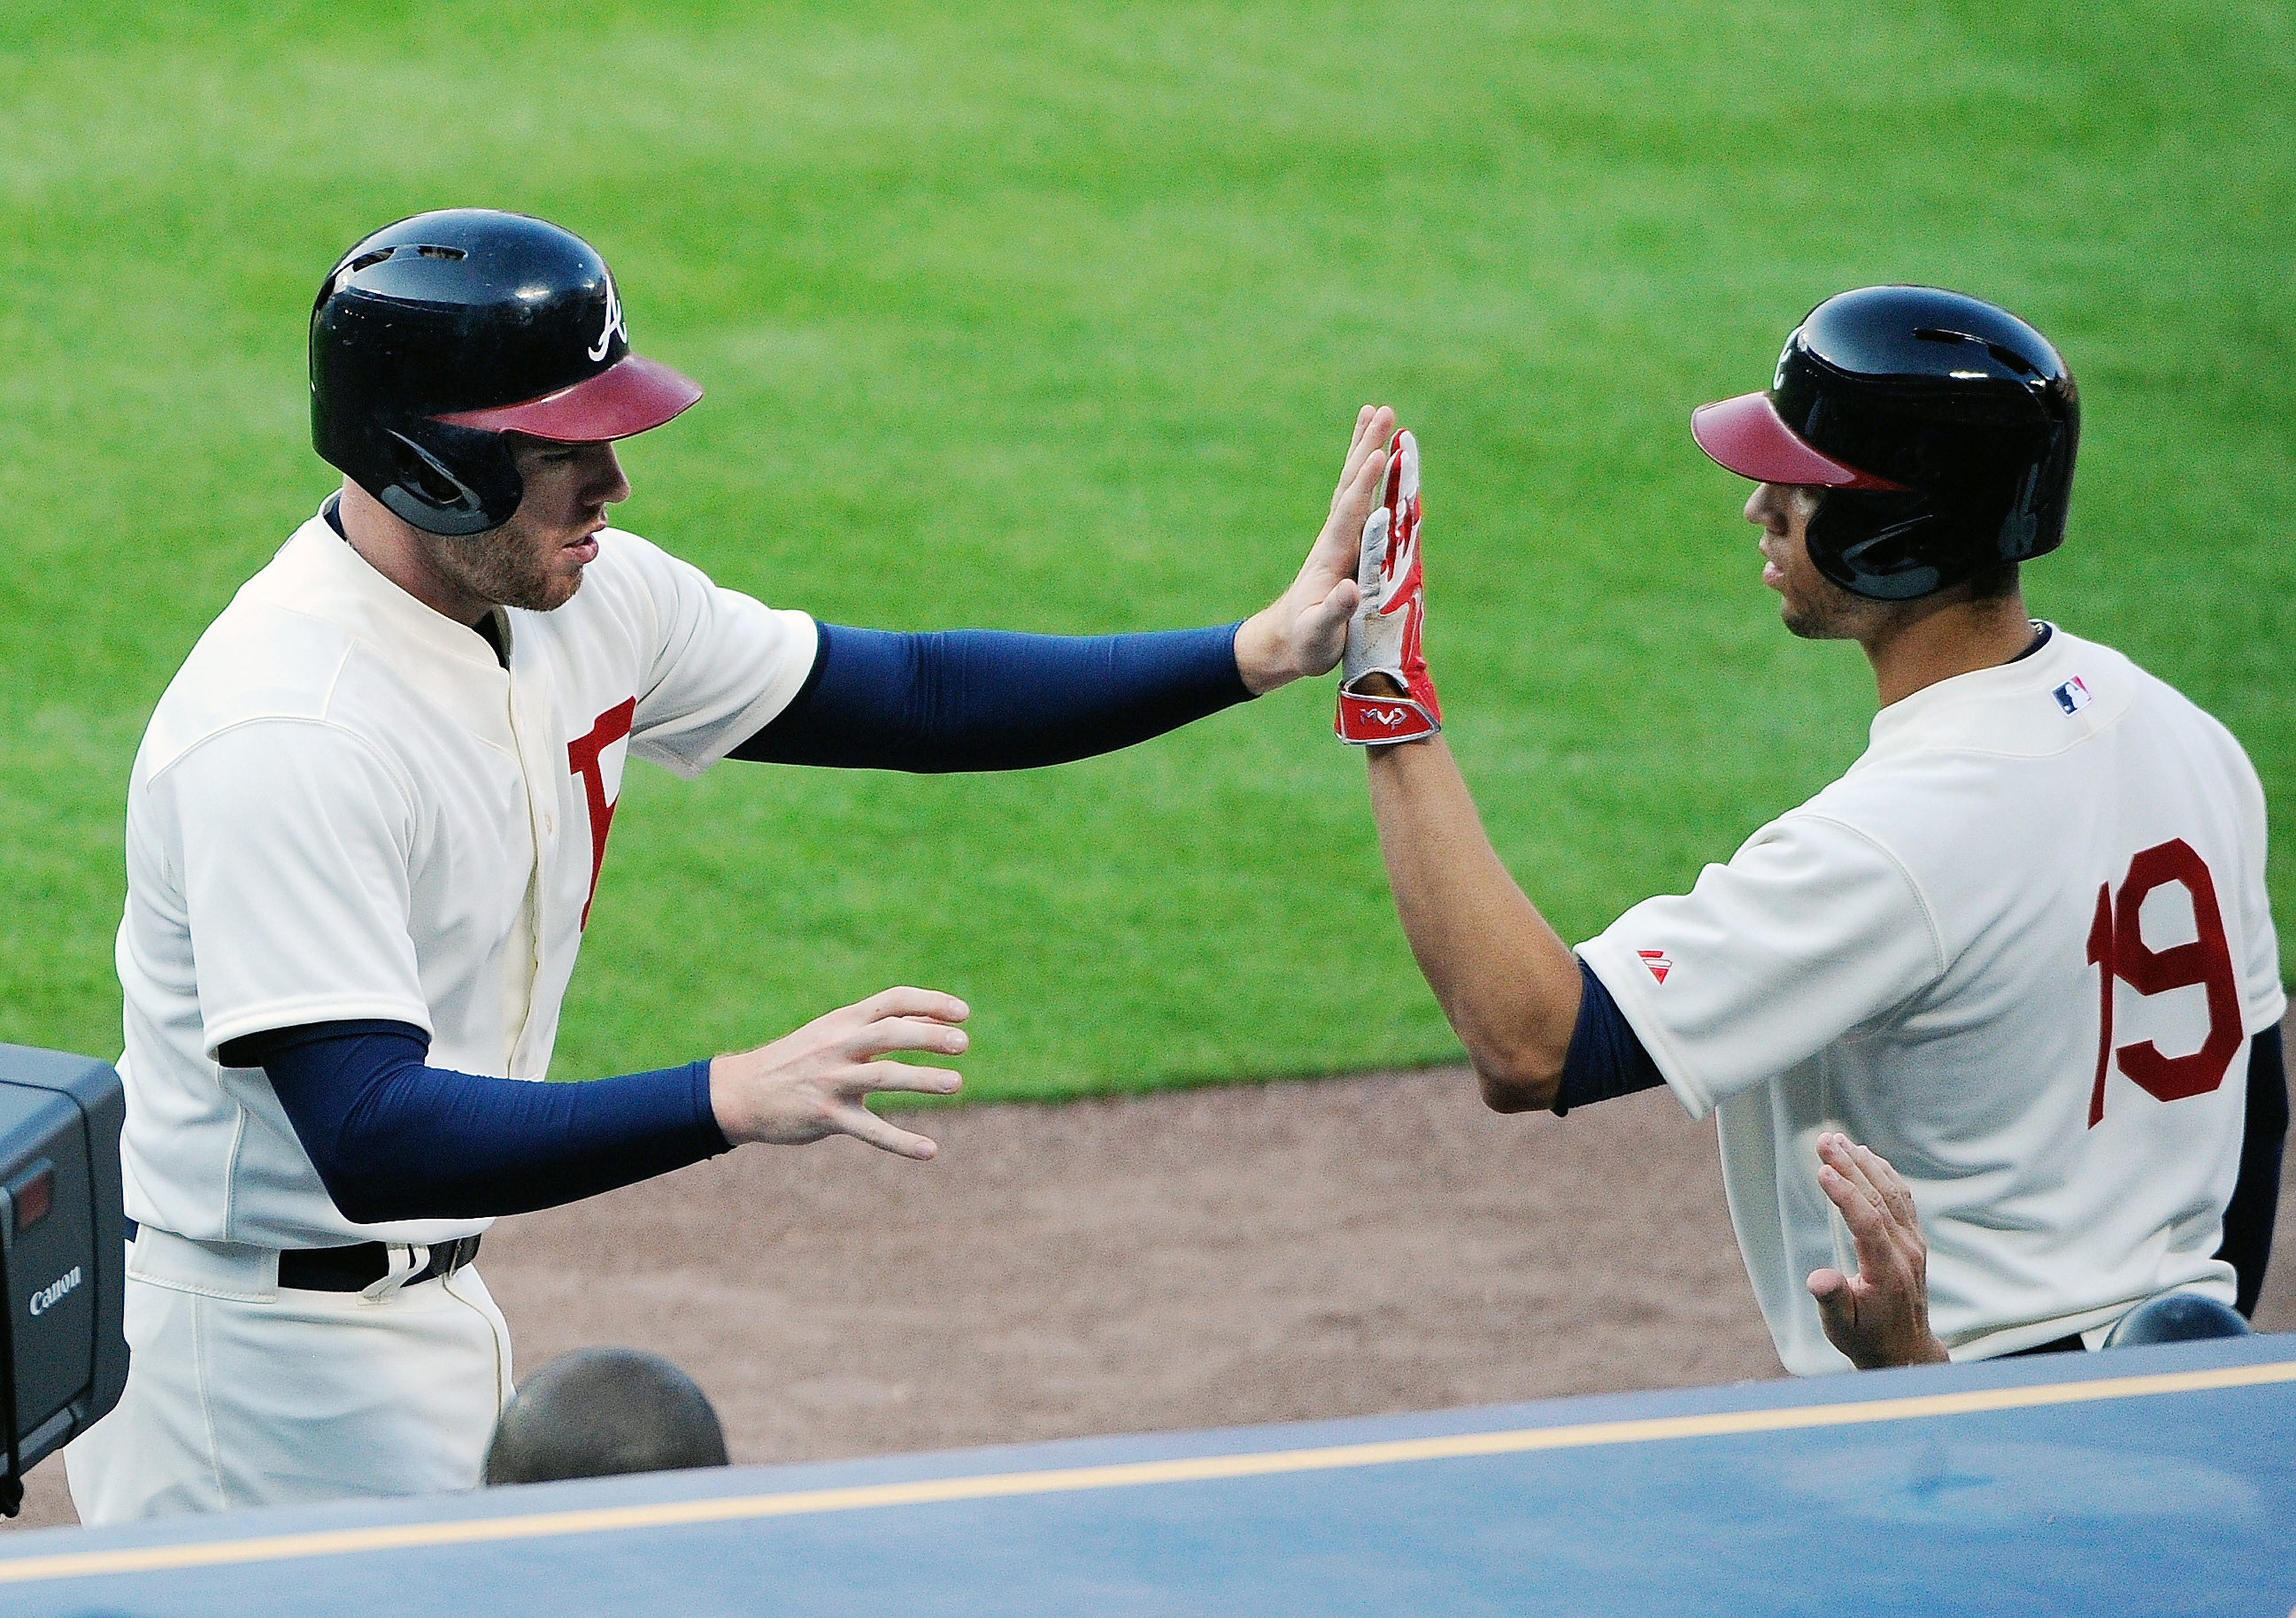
<point>814,1083</point>
<point>1302,632</point>
<point>1881,1315</point>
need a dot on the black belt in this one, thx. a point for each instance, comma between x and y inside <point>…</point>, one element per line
<point>355,1268</point>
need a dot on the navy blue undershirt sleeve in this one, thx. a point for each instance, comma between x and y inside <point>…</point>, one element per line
<point>985,698</point>
<point>2249,1217</point>
<point>394,1139</point>
<point>1606,1056</point>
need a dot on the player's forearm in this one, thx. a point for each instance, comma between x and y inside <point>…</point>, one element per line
<point>1506,981</point>
<point>984,700</point>
<point>392,1137</point>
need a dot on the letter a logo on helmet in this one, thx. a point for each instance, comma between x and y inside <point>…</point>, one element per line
<point>615,327</point>
<point>436,336</point>
<point>1941,428</point>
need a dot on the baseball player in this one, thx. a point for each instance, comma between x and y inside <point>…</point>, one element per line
<point>364,830</point>
<point>2010,985</point>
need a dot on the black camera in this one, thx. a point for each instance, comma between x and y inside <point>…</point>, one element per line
<point>63,1244</point>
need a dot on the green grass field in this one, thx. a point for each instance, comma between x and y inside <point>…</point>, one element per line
<point>1054,316</point>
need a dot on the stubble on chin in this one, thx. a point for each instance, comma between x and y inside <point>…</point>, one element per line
<point>1830,612</point>
<point>497,568</point>
<point>549,592</point>
<point>1805,623</point>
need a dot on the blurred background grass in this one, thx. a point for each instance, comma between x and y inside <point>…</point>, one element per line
<point>1054,316</point>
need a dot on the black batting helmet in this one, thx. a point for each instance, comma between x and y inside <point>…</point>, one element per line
<point>435,336</point>
<point>1941,428</point>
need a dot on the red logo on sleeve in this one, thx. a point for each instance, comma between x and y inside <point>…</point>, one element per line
<point>1656,959</point>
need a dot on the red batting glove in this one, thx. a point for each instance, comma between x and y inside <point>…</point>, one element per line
<point>1383,635</point>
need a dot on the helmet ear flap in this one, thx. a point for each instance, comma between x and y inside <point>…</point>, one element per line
<point>463,482</point>
<point>1878,542</point>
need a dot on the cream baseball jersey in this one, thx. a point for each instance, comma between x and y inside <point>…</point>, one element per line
<point>2019,950</point>
<point>345,806</point>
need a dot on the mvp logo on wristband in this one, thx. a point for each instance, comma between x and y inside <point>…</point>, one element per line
<point>1382,649</point>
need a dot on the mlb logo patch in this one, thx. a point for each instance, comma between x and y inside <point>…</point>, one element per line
<point>2073,696</point>
<point>1656,959</point>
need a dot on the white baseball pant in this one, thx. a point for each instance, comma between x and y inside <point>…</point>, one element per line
<point>242,1393</point>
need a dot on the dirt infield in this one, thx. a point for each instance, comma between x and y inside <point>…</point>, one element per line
<point>1219,1256</point>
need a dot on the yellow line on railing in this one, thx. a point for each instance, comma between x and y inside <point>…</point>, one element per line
<point>1197,1469</point>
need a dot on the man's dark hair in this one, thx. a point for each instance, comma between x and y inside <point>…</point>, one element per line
<point>603,1412</point>
<point>1995,583</point>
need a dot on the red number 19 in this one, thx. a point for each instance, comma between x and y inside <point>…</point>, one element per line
<point>2117,948</point>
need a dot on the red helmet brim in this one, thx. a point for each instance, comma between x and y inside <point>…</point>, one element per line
<point>627,397</point>
<point>1746,435</point>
